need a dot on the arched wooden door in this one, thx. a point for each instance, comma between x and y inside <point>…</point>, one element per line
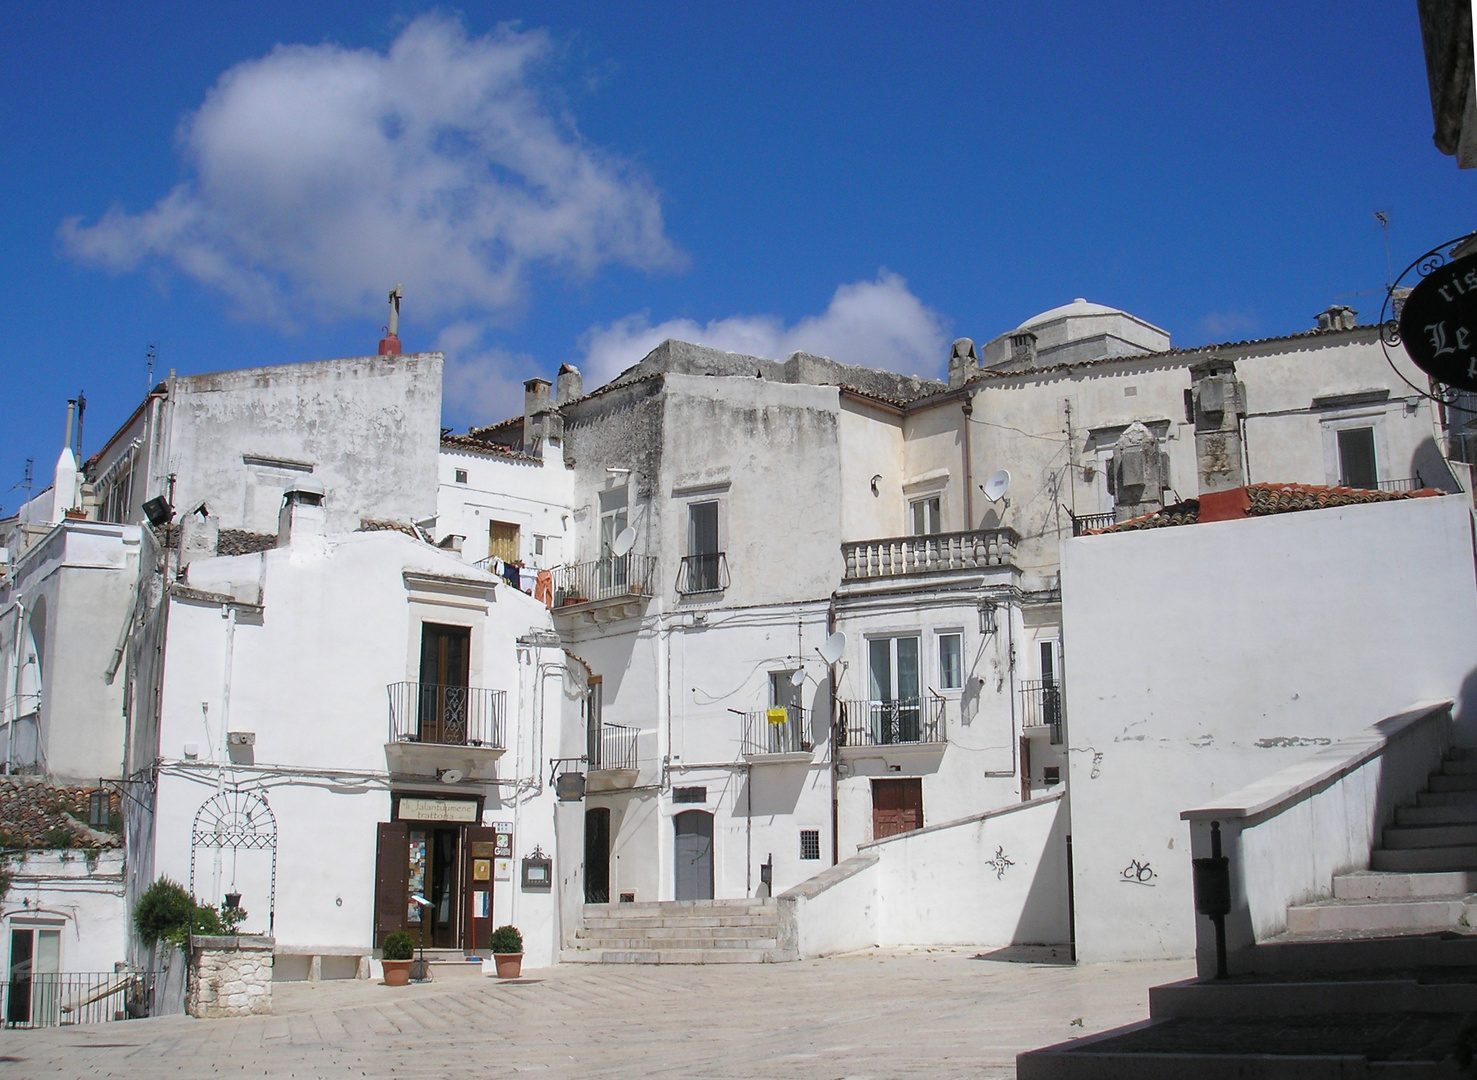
<point>693,852</point>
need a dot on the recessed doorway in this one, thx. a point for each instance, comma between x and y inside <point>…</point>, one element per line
<point>693,854</point>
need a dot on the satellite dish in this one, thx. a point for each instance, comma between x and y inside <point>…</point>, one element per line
<point>623,542</point>
<point>451,776</point>
<point>996,487</point>
<point>798,678</point>
<point>834,647</point>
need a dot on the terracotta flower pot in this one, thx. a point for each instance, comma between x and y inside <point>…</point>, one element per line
<point>397,972</point>
<point>509,965</point>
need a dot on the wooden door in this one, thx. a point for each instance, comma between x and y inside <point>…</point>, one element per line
<point>503,542</point>
<point>391,879</point>
<point>897,807</point>
<point>446,657</point>
<point>693,853</point>
<point>597,855</point>
<point>481,846</point>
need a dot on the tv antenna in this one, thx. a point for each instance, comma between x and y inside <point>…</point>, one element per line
<point>152,354</point>
<point>1383,217</point>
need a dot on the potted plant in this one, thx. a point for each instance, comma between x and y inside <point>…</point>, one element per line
<point>507,952</point>
<point>396,955</point>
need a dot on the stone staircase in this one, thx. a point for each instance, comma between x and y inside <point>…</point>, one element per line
<point>680,932</point>
<point>1378,981</point>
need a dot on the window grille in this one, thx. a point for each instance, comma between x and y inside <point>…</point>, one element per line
<point>810,844</point>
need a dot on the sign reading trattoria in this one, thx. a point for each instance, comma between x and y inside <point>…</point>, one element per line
<point>1438,324</point>
<point>437,809</point>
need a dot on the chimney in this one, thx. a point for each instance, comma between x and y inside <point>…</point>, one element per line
<point>570,384</point>
<point>390,343</point>
<point>302,514</point>
<point>964,362</point>
<point>1138,474</point>
<point>1216,402</point>
<point>1338,317</point>
<point>64,479</point>
<point>537,405</point>
<point>1023,349</point>
<point>199,535</point>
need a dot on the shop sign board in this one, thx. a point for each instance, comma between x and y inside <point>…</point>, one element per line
<point>459,810</point>
<point>1438,324</point>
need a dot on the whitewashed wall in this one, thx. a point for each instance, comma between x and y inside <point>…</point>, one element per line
<point>1205,657</point>
<point>59,890</point>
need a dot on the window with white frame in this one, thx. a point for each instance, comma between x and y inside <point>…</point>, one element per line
<point>927,516</point>
<point>951,661</point>
<point>1357,466</point>
<point>893,667</point>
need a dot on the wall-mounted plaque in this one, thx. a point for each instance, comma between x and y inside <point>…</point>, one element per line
<point>538,871</point>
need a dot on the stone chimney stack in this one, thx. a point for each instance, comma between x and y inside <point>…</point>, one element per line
<point>199,535</point>
<point>538,416</point>
<point>1216,402</point>
<point>570,384</point>
<point>1139,473</point>
<point>302,514</point>
<point>964,362</point>
<point>1338,317</point>
<point>1023,349</point>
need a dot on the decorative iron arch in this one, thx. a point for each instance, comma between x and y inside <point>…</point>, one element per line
<point>237,821</point>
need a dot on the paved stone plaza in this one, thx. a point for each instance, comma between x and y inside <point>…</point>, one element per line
<point>934,1014</point>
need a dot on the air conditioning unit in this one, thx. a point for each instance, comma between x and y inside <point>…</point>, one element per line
<point>241,738</point>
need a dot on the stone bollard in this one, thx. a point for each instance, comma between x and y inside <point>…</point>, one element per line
<point>230,976</point>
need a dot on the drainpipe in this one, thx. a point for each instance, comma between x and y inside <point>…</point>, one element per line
<point>968,480</point>
<point>835,753</point>
<point>15,687</point>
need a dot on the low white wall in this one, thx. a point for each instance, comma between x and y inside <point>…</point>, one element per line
<point>989,880</point>
<point>1288,835</point>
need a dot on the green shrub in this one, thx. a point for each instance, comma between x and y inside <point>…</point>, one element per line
<point>398,946</point>
<point>507,940</point>
<point>164,912</point>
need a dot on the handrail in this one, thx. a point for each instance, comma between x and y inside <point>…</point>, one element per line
<point>764,735</point>
<point>446,715</point>
<point>885,723</point>
<point>614,577</point>
<point>703,574</point>
<point>615,747</point>
<point>897,555</point>
<point>1042,701</point>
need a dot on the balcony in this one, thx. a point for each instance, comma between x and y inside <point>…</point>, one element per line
<point>906,722</point>
<point>610,756</point>
<point>1042,710</point>
<point>1082,524</point>
<point>778,736</point>
<point>436,727</point>
<point>702,574</point>
<point>900,556</point>
<point>609,588</point>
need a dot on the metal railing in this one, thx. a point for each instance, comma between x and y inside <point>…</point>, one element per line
<point>899,555</point>
<point>1042,706</point>
<point>611,578</point>
<point>1413,483</point>
<point>1085,523</point>
<point>447,715</point>
<point>702,573</point>
<point>765,733</point>
<point>612,747</point>
<point>884,723</point>
<point>50,1000</point>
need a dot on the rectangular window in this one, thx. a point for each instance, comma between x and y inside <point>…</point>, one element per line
<point>1052,774</point>
<point>704,558</point>
<point>689,794</point>
<point>461,476</point>
<point>502,541</point>
<point>1356,458</point>
<point>614,569</point>
<point>895,712</point>
<point>594,711</point>
<point>538,545</point>
<point>951,661</point>
<point>810,844</point>
<point>98,807</point>
<point>927,519</point>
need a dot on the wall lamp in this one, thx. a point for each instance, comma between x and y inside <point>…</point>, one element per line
<point>987,618</point>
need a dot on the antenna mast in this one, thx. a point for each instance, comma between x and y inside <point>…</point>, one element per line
<point>1383,217</point>
<point>152,354</point>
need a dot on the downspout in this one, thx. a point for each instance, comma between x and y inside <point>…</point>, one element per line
<point>835,754</point>
<point>968,476</point>
<point>15,687</point>
<point>1015,744</point>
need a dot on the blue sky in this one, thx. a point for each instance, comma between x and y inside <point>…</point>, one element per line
<point>242,183</point>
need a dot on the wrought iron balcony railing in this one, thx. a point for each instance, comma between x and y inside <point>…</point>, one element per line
<point>1085,523</point>
<point>52,1000</point>
<point>899,555</point>
<point>784,730</point>
<point>702,573</point>
<point>611,747</point>
<point>447,715</point>
<point>884,723</point>
<point>1042,703</point>
<point>615,577</point>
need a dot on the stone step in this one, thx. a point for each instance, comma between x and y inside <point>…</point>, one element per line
<point>1446,798</point>
<point>1350,951</point>
<point>655,921</point>
<point>695,907</point>
<point>1464,766</point>
<point>1424,836</point>
<point>1461,857</point>
<point>1464,813</point>
<point>1327,1047</point>
<point>1310,997</point>
<point>619,944</point>
<point>659,933</point>
<point>1442,782</point>
<point>1373,915</point>
<point>1391,885</point>
<point>676,956</point>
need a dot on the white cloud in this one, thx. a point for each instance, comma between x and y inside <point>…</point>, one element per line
<point>323,175</point>
<point>874,323</point>
<point>482,383</point>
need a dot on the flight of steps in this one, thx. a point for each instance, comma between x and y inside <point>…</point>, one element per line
<point>1380,980</point>
<point>679,932</point>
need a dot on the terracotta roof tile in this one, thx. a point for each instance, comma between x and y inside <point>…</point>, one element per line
<point>474,445</point>
<point>1267,499</point>
<point>38,816</point>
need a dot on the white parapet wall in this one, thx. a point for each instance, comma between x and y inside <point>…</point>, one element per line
<point>1288,835</point>
<point>990,880</point>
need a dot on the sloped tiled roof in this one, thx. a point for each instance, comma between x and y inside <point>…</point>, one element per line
<point>241,542</point>
<point>1267,499</point>
<point>379,525</point>
<point>474,445</point>
<point>40,816</point>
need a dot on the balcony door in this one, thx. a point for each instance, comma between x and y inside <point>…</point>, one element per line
<point>895,689</point>
<point>446,654</point>
<point>614,516</point>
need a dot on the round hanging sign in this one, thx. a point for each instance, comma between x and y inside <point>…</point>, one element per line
<point>1438,324</point>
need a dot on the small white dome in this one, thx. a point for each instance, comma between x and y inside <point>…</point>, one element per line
<point>1078,306</point>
